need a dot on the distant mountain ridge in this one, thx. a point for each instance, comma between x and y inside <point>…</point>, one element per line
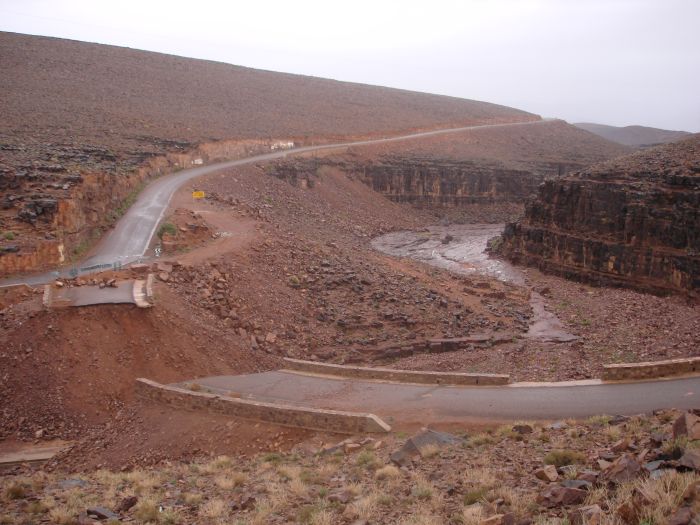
<point>636,136</point>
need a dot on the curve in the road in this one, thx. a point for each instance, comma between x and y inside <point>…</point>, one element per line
<point>425,404</point>
<point>129,240</point>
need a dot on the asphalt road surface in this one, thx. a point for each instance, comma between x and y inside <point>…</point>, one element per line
<point>399,403</point>
<point>129,240</point>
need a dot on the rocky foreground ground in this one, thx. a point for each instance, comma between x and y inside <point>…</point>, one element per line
<point>616,470</point>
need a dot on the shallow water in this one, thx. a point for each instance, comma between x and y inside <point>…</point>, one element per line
<point>464,253</point>
<point>461,248</point>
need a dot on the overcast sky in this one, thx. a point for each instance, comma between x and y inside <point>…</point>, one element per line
<point>616,62</point>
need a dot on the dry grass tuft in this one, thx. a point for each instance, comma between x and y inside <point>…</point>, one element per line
<point>561,458</point>
<point>214,509</point>
<point>387,472</point>
<point>146,510</point>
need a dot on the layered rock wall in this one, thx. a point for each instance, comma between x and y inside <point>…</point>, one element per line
<point>631,222</point>
<point>427,182</point>
<point>71,210</point>
<point>445,183</point>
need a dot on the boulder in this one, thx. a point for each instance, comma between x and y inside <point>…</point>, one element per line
<point>625,468</point>
<point>688,425</point>
<point>547,473</point>
<point>690,459</point>
<point>415,445</point>
<point>558,496</point>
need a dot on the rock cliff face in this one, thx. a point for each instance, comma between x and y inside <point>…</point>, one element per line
<point>50,216</point>
<point>433,183</point>
<point>633,221</point>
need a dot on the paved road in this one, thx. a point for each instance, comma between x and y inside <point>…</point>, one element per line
<point>131,237</point>
<point>123,293</point>
<point>424,404</point>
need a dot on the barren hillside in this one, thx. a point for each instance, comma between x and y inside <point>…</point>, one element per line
<point>636,136</point>
<point>84,126</point>
<point>109,94</point>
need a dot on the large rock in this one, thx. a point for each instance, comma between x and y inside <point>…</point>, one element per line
<point>547,473</point>
<point>625,468</point>
<point>557,496</point>
<point>422,441</point>
<point>688,425</point>
<point>690,459</point>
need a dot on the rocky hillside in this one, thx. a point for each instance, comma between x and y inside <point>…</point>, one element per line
<point>457,174</point>
<point>84,126</point>
<point>636,136</point>
<point>604,470</point>
<point>633,222</point>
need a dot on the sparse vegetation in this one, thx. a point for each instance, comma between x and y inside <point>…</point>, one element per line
<point>458,485</point>
<point>561,458</point>
<point>167,228</point>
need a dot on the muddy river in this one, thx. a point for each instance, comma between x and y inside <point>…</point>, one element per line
<point>461,248</point>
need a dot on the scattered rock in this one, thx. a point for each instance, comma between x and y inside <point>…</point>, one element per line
<point>624,468</point>
<point>687,425</point>
<point>683,516</point>
<point>690,459</point>
<point>547,473</point>
<point>621,445</point>
<point>72,483</point>
<point>618,420</point>
<point>588,515</point>
<point>557,496</point>
<point>499,519</point>
<point>522,429</point>
<point>577,484</point>
<point>102,513</point>
<point>417,444</point>
<point>127,503</point>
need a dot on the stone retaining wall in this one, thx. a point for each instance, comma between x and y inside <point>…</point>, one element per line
<point>293,416</point>
<point>402,376</point>
<point>651,369</point>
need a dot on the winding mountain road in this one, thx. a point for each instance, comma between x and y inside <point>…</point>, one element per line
<point>129,240</point>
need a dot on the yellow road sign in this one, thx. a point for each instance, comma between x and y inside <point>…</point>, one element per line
<point>197,194</point>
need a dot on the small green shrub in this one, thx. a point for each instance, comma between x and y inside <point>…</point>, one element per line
<point>367,459</point>
<point>9,236</point>
<point>167,228</point>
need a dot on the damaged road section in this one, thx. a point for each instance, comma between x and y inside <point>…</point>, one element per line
<point>112,291</point>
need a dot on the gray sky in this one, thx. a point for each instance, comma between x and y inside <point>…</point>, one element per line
<point>613,62</point>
